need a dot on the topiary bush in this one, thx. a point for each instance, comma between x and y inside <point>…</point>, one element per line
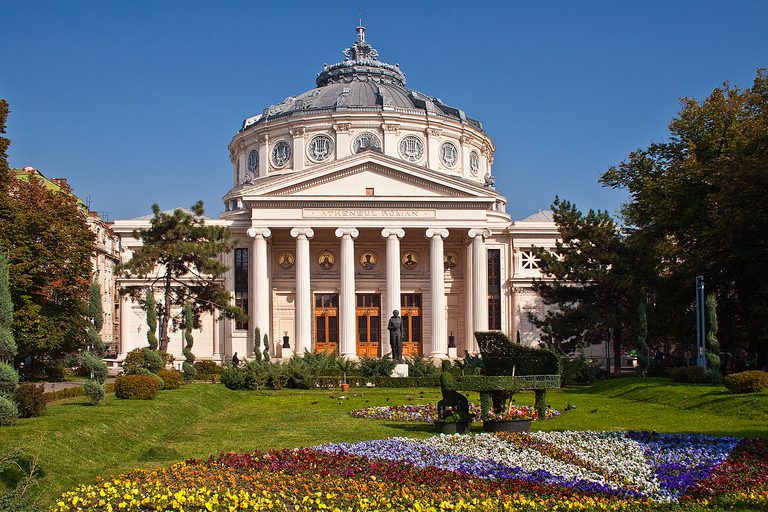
<point>139,358</point>
<point>688,374</point>
<point>172,380</point>
<point>751,381</point>
<point>9,379</point>
<point>94,391</point>
<point>8,411</point>
<point>500,356</point>
<point>29,400</point>
<point>136,387</point>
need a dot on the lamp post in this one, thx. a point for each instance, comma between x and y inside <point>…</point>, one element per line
<point>701,360</point>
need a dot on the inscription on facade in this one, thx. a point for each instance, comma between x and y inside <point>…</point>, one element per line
<point>366,214</point>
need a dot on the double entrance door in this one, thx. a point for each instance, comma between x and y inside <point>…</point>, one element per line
<point>410,311</point>
<point>368,324</point>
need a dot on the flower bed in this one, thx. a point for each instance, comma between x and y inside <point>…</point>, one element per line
<point>545,471</point>
<point>428,413</point>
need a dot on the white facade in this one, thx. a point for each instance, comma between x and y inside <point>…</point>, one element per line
<point>355,199</point>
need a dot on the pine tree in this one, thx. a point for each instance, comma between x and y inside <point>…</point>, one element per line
<point>180,252</point>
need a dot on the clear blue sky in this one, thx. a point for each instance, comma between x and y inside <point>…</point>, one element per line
<point>135,102</point>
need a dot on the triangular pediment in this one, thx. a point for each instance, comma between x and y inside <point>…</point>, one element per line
<point>366,174</point>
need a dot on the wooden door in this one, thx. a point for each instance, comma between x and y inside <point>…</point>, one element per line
<point>326,322</point>
<point>368,325</point>
<point>410,304</point>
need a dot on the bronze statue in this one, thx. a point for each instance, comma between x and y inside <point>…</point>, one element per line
<point>396,336</point>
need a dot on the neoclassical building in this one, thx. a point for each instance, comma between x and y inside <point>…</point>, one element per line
<point>357,198</point>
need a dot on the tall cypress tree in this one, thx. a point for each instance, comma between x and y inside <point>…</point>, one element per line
<point>7,343</point>
<point>151,319</point>
<point>95,311</point>
<point>190,372</point>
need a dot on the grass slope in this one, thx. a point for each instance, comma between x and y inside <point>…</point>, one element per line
<point>77,442</point>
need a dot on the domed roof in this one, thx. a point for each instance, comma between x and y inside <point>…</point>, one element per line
<point>361,81</point>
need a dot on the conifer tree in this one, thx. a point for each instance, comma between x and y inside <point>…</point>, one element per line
<point>642,346</point>
<point>151,319</point>
<point>7,343</point>
<point>713,346</point>
<point>190,372</point>
<point>266,348</point>
<point>256,344</point>
<point>180,252</point>
<point>92,360</point>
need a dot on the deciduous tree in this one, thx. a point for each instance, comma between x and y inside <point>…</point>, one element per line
<point>699,199</point>
<point>48,243</point>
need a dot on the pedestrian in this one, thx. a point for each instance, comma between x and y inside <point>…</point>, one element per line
<point>235,360</point>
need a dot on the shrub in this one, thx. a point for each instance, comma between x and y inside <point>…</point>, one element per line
<point>94,390</point>
<point>371,367</point>
<point>207,368</point>
<point>147,373</point>
<point>688,374</point>
<point>172,380</point>
<point>95,367</point>
<point>189,371</point>
<point>29,400</point>
<point>249,375</point>
<point>9,379</point>
<point>420,366</point>
<point>136,387</point>
<point>751,381</point>
<point>579,371</point>
<point>8,411</point>
<point>657,368</point>
<point>139,358</point>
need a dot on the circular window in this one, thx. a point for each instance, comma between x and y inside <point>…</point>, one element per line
<point>474,163</point>
<point>449,155</point>
<point>253,162</point>
<point>320,148</point>
<point>281,153</point>
<point>411,148</point>
<point>366,141</point>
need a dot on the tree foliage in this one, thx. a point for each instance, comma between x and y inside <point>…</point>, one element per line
<point>7,343</point>
<point>179,253</point>
<point>698,199</point>
<point>96,313</point>
<point>48,244</point>
<point>591,280</point>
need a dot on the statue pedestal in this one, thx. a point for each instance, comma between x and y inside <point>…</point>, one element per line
<point>452,353</point>
<point>401,370</point>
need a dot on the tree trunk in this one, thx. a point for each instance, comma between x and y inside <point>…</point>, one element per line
<point>616,331</point>
<point>166,317</point>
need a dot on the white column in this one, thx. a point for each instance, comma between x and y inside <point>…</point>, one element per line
<point>393,236</point>
<point>348,347</point>
<point>303,292</point>
<point>260,282</point>
<point>479,279</point>
<point>438,319</point>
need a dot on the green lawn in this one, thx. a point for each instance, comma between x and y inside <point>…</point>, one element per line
<point>77,442</point>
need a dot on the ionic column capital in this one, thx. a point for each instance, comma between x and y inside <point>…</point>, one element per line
<point>475,232</point>
<point>262,232</point>
<point>432,232</point>
<point>352,232</point>
<point>302,232</point>
<point>387,232</point>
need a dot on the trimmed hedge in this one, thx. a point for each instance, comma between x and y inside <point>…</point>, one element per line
<point>172,380</point>
<point>136,387</point>
<point>500,356</point>
<point>751,381</point>
<point>688,374</point>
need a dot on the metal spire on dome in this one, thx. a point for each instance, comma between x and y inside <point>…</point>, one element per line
<point>361,63</point>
